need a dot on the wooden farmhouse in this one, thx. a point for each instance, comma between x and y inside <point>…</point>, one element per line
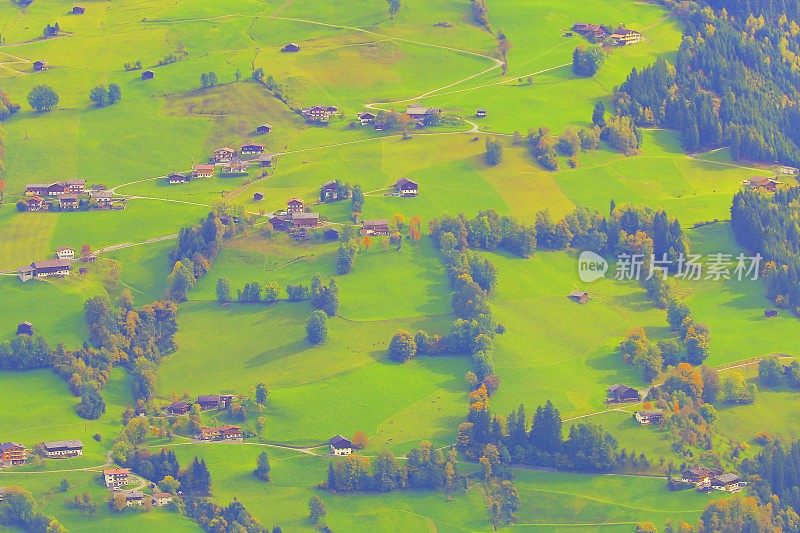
<point>340,446</point>
<point>234,167</point>
<point>68,202</point>
<point>25,328</point>
<point>39,66</point>
<point>160,499</point>
<point>78,10</point>
<point>177,178</point>
<point>223,155</point>
<point>209,401</point>
<point>592,31</point>
<point>761,182</point>
<point>319,114</point>
<point>480,113</point>
<point>148,75</point>
<point>579,296</point>
<point>65,252</point>
<point>770,313</point>
<point>290,47</point>
<point>366,118</point>
<point>375,227</point>
<point>44,269</point>
<point>265,160</point>
<point>104,198</point>
<point>653,416</point>
<point>134,498</point>
<point>250,149</point>
<point>699,476</point>
<point>625,36</point>
<point>226,432</point>
<point>12,454</point>
<point>263,129</point>
<point>56,189</point>
<point>203,171</point>
<point>295,205</point>
<point>258,196</point>
<point>622,393</point>
<point>330,191</point>
<point>61,449</point>
<point>114,478</point>
<point>406,188</point>
<point>728,482</point>
<point>179,408</point>
<point>305,220</point>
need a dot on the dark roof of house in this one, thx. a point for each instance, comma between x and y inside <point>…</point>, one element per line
<point>52,263</point>
<point>378,222</point>
<point>179,405</point>
<point>699,471</point>
<point>650,413</point>
<point>403,182</point>
<point>578,294</point>
<point>728,478</point>
<point>63,445</point>
<point>620,389</point>
<point>68,198</point>
<point>294,201</point>
<point>207,398</point>
<point>340,442</point>
<point>134,495</point>
<point>5,446</point>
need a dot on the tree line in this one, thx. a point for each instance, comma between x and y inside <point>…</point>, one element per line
<point>198,246</point>
<point>588,448</point>
<point>709,96</point>
<point>425,468</point>
<point>767,224</point>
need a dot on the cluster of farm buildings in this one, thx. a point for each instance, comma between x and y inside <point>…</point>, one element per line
<point>15,454</point>
<point>69,195</point>
<point>298,218</point>
<point>59,267</point>
<point>620,36</point>
<point>338,444</point>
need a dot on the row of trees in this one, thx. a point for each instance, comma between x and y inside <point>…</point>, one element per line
<point>232,518</point>
<point>197,248</point>
<point>588,448</point>
<point>137,338</point>
<point>709,94</point>
<point>486,230</point>
<point>102,96</point>
<point>424,468</point>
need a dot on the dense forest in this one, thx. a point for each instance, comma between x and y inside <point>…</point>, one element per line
<point>734,82</point>
<point>768,225</point>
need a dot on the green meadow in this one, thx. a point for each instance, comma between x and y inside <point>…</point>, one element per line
<point>353,55</point>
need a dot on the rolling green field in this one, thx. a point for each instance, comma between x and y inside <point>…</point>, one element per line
<point>354,56</point>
